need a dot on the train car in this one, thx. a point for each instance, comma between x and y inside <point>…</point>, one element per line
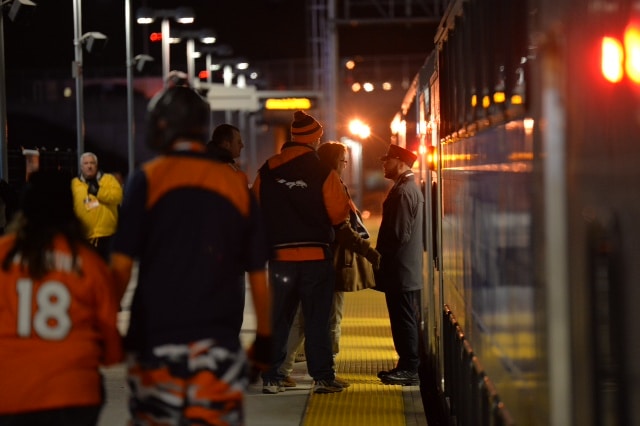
<point>527,118</point>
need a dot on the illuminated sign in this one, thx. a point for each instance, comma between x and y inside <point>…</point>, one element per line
<point>287,103</point>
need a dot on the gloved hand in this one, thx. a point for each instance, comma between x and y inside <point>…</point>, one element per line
<point>259,354</point>
<point>93,187</point>
<point>374,257</point>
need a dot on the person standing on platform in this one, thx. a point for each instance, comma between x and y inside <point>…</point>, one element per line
<point>58,312</point>
<point>96,198</point>
<point>400,273</point>
<point>302,201</point>
<point>354,260</point>
<point>194,227</point>
<point>226,145</point>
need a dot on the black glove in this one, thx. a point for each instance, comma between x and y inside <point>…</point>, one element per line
<point>259,355</point>
<point>93,187</point>
<point>374,257</point>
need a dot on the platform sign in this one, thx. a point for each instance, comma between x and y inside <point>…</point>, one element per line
<point>231,98</point>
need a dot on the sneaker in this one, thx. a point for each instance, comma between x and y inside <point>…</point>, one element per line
<point>385,372</point>
<point>342,382</point>
<point>272,387</point>
<point>288,382</point>
<point>327,386</point>
<point>401,377</point>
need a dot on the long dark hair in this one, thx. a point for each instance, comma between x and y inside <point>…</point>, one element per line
<point>46,210</point>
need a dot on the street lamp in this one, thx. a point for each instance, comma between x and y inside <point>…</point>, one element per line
<point>13,13</point>
<point>138,62</point>
<point>359,129</point>
<point>227,65</point>
<point>93,41</point>
<point>211,52</point>
<point>204,36</point>
<point>182,15</point>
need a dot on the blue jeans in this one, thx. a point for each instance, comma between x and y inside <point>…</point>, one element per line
<point>312,285</point>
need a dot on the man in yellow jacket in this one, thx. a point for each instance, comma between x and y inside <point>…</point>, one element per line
<point>96,197</point>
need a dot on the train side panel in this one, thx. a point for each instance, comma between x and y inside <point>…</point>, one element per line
<point>532,232</point>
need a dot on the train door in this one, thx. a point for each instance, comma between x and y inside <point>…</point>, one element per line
<point>426,109</point>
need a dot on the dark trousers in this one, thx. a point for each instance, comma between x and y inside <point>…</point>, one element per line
<point>404,315</point>
<point>103,246</point>
<point>310,284</point>
<point>70,416</point>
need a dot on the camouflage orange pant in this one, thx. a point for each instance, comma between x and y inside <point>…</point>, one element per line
<point>195,384</point>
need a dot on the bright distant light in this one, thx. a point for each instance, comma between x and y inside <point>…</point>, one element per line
<point>386,86</point>
<point>368,87</point>
<point>350,64</point>
<point>67,92</point>
<point>528,125</point>
<point>612,59</point>
<point>360,129</point>
<point>356,87</point>
<point>632,48</point>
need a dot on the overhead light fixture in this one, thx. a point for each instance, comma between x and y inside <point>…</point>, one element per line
<point>182,15</point>
<point>185,15</point>
<point>16,6</point>
<point>204,36</point>
<point>141,60</point>
<point>94,41</point>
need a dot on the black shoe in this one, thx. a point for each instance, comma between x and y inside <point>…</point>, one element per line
<point>386,373</point>
<point>401,377</point>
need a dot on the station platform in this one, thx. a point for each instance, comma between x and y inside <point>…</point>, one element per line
<point>366,348</point>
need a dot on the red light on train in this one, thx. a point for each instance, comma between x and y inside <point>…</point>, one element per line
<point>622,58</point>
<point>632,50</point>
<point>612,59</point>
<point>155,37</point>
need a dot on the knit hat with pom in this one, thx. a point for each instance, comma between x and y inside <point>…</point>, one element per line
<point>305,128</point>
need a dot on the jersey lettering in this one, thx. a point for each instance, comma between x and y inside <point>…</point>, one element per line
<point>51,320</point>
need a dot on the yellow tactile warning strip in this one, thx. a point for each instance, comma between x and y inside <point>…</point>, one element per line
<point>365,348</point>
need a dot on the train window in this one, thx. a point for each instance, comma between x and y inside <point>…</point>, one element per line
<point>500,42</point>
<point>476,59</point>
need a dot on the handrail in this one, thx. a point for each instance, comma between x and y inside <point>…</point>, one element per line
<point>470,395</point>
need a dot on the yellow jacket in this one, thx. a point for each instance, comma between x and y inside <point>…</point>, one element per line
<point>98,213</point>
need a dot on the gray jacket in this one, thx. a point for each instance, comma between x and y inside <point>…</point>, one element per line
<point>400,239</point>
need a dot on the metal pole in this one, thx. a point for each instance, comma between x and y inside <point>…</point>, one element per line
<point>191,61</point>
<point>252,168</point>
<point>4,161</point>
<point>209,80</point>
<point>77,69</point>
<point>166,34</point>
<point>130,110</point>
<point>331,56</point>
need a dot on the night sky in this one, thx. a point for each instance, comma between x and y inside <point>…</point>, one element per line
<point>40,45</point>
<point>257,29</point>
